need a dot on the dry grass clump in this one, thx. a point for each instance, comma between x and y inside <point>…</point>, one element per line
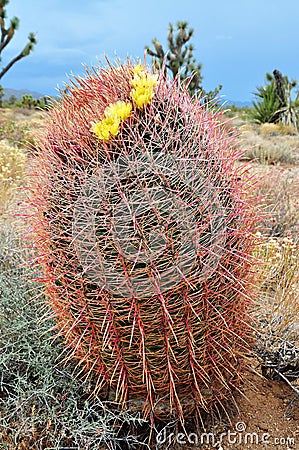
<point>19,114</point>
<point>12,169</point>
<point>34,129</point>
<point>276,129</point>
<point>269,128</point>
<point>279,278</point>
<point>277,311</point>
<point>268,149</point>
<point>247,127</point>
<point>278,189</point>
<point>270,143</point>
<point>20,128</point>
<point>286,129</point>
<point>271,154</point>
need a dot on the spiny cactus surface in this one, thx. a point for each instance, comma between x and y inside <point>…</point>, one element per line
<point>144,234</point>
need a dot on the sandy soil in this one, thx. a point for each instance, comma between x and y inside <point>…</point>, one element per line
<point>270,415</point>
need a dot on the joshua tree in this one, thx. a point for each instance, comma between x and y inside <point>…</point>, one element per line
<point>280,84</point>
<point>28,101</point>
<point>7,33</point>
<point>179,59</point>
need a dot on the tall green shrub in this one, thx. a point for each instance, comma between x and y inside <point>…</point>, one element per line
<point>276,102</point>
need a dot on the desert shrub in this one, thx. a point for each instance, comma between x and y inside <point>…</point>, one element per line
<point>32,129</point>
<point>23,131</point>
<point>246,127</point>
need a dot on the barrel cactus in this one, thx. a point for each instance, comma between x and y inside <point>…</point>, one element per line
<point>144,235</point>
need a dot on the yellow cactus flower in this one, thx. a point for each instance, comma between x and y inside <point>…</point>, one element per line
<point>106,128</point>
<point>139,69</point>
<point>119,109</point>
<point>114,114</point>
<point>143,86</point>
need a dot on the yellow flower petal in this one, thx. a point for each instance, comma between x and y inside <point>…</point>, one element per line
<point>119,109</point>
<point>144,85</point>
<point>139,69</point>
<point>107,127</point>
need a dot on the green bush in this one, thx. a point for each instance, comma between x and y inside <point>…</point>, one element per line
<point>266,107</point>
<point>276,102</point>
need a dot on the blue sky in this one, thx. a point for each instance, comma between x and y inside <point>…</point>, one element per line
<point>237,41</point>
